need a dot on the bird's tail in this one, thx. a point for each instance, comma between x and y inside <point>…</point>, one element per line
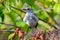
<point>33,30</point>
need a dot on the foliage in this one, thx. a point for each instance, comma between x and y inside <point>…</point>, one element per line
<point>46,11</point>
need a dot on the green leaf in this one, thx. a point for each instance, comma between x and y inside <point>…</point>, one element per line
<point>52,13</point>
<point>35,8</point>
<point>30,2</point>
<point>42,16</point>
<point>13,17</point>
<point>1,13</point>
<point>56,8</point>
<point>23,1</point>
<point>10,36</point>
<point>42,1</point>
<point>2,16</point>
<point>48,3</point>
<point>12,0</point>
<point>20,23</point>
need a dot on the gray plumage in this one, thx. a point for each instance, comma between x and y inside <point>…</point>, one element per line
<point>30,19</point>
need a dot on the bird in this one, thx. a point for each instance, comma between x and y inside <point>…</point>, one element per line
<point>30,19</point>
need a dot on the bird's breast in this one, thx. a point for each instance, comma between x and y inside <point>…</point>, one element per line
<point>28,19</point>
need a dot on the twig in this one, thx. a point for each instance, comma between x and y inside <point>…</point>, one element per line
<point>8,24</point>
<point>49,23</point>
<point>7,30</point>
<point>45,10</point>
<point>52,17</point>
<point>46,22</point>
<point>17,9</point>
<point>17,14</point>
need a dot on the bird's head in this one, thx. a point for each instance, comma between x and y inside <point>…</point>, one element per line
<point>27,10</point>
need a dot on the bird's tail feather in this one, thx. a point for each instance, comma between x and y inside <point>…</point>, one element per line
<point>33,30</point>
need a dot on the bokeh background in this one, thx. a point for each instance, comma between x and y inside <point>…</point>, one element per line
<point>47,11</point>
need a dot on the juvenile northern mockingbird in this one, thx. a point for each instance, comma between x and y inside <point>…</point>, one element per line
<point>30,19</point>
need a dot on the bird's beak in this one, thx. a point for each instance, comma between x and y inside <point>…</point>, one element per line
<point>24,10</point>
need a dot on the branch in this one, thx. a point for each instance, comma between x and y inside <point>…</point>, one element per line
<point>7,30</point>
<point>45,10</point>
<point>52,17</point>
<point>42,20</point>
<point>48,23</point>
<point>18,9</point>
<point>17,14</point>
<point>9,24</point>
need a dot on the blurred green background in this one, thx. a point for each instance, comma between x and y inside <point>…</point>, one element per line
<point>47,11</point>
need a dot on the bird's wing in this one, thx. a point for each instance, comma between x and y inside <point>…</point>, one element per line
<point>34,18</point>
